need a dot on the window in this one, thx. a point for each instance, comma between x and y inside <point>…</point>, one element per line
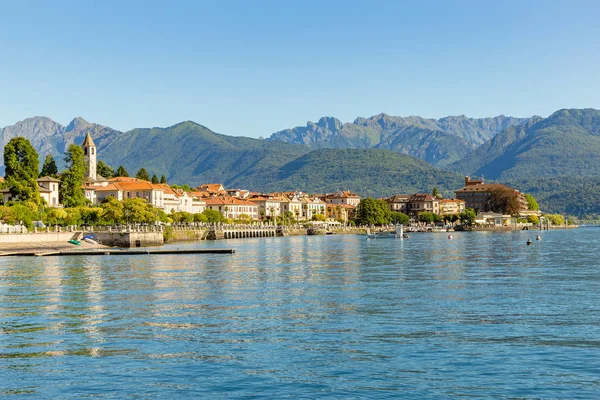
<point>93,150</point>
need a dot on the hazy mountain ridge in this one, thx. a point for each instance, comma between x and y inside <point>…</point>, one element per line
<point>440,142</point>
<point>50,137</point>
<point>567,143</point>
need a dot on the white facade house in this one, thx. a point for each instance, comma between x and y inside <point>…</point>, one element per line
<point>232,207</point>
<point>48,188</point>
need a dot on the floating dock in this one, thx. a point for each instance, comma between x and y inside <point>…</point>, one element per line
<point>115,252</point>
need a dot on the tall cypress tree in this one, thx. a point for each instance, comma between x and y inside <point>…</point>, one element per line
<point>22,168</point>
<point>104,170</point>
<point>154,179</point>
<point>71,192</point>
<point>121,171</point>
<point>143,175</point>
<point>49,168</point>
<point>163,179</point>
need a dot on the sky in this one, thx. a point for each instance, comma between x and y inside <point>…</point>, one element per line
<point>251,68</point>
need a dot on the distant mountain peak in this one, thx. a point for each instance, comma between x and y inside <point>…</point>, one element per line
<point>77,123</point>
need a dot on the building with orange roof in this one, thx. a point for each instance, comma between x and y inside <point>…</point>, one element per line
<point>212,188</point>
<point>343,197</point>
<point>232,207</point>
<point>268,206</point>
<point>311,206</point>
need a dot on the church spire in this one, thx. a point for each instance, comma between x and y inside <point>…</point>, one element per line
<point>88,142</point>
<point>89,152</point>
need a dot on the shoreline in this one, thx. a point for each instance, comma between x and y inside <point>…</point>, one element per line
<point>24,247</point>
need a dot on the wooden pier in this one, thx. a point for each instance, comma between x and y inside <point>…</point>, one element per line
<point>115,252</point>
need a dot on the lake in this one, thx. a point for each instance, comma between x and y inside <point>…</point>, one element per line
<point>482,315</point>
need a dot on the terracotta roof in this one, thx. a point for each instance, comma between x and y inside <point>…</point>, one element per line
<point>211,188</point>
<point>126,179</point>
<point>451,201</point>
<point>111,187</point>
<point>88,141</point>
<point>227,200</point>
<point>344,194</point>
<point>141,185</point>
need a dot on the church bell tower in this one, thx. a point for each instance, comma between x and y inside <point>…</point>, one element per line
<point>89,151</point>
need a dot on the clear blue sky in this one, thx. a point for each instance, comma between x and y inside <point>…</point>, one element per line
<point>254,67</point>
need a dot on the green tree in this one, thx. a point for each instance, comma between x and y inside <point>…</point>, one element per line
<point>113,210</point>
<point>55,216</point>
<point>104,170</point>
<point>91,215</point>
<point>71,188</point>
<point>24,213</point>
<point>213,215</point>
<point>427,217</point>
<point>154,179</point>
<point>121,171</point>
<point>163,179</point>
<point>199,217</point>
<point>467,217</point>
<point>400,218</point>
<point>436,194</point>
<point>143,175</point>
<point>49,168</point>
<point>182,216</point>
<point>21,170</point>
<point>371,211</point>
<point>319,217</point>
<point>532,203</point>
<point>555,219</point>
<point>137,210</point>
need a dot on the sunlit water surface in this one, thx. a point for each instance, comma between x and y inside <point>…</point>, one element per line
<point>482,315</point>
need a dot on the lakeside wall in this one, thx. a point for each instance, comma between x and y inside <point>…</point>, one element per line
<point>220,231</point>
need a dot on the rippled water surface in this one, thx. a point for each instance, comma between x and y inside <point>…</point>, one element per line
<point>482,315</point>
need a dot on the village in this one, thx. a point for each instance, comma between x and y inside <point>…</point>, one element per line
<point>246,206</point>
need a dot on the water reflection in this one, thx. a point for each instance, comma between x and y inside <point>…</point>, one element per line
<point>310,316</point>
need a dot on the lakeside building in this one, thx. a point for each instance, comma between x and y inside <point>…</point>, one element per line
<point>343,197</point>
<point>398,203</point>
<point>340,212</point>
<point>232,207</point>
<point>478,195</point>
<point>268,206</point>
<point>452,206</point>
<point>423,202</point>
<point>48,188</point>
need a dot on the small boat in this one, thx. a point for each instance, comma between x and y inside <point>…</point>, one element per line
<point>387,234</point>
<point>89,240</point>
<point>75,242</point>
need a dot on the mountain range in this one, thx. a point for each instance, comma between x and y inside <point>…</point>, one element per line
<point>555,158</point>
<point>437,141</point>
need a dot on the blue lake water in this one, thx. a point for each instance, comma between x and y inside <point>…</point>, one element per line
<point>482,315</point>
